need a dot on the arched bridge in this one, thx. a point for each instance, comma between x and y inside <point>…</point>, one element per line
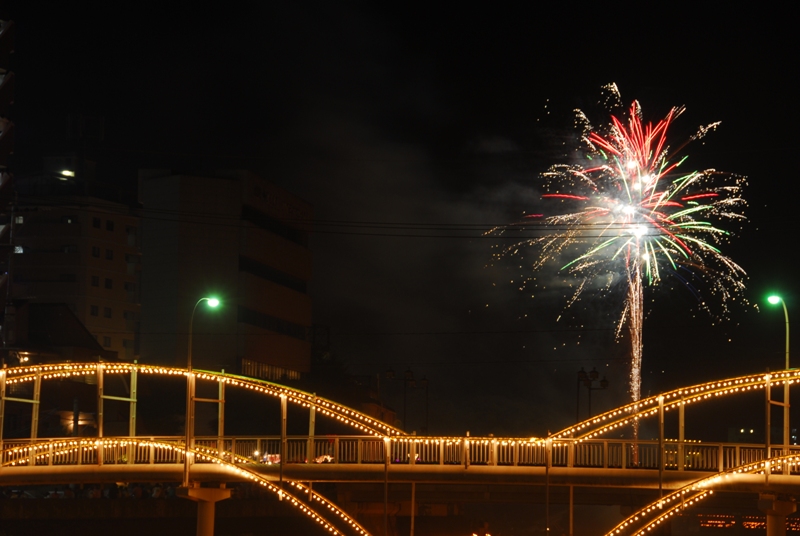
<point>682,470</point>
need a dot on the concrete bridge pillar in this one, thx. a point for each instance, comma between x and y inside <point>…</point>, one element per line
<point>776,507</point>
<point>206,499</point>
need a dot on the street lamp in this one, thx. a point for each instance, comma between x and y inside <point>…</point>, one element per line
<point>775,300</point>
<point>212,302</point>
<point>587,379</point>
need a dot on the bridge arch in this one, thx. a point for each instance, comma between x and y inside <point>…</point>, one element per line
<point>677,398</point>
<point>660,511</point>
<point>343,414</point>
<point>468,448</point>
<point>24,455</point>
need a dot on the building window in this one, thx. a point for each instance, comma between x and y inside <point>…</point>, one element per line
<point>264,371</point>
<point>95,280</point>
<point>109,225</point>
<point>278,325</point>
<point>131,235</point>
<point>96,223</point>
<point>109,282</point>
<point>269,273</point>
<point>96,251</point>
<point>94,310</point>
<point>130,287</point>
<point>262,220</point>
<point>19,249</point>
<point>109,254</point>
<point>107,341</point>
<point>71,248</point>
<point>107,312</point>
<point>19,220</point>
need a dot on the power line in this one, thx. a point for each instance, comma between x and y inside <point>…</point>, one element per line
<point>496,362</point>
<point>356,227</point>
<point>672,327</point>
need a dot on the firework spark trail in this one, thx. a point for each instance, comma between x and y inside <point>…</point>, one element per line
<point>633,218</point>
<point>636,319</point>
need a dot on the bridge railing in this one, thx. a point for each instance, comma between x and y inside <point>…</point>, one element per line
<point>90,451</point>
<point>601,454</point>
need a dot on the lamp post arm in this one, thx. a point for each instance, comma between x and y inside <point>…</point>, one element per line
<point>786,315</point>
<point>191,324</point>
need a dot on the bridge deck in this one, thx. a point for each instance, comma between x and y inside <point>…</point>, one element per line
<point>592,463</point>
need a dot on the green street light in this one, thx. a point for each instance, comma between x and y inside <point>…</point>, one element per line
<point>775,300</point>
<point>212,302</point>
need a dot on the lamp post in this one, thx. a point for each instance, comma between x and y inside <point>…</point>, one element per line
<point>424,383</point>
<point>774,300</point>
<point>408,381</point>
<point>212,302</point>
<point>582,377</point>
<point>587,379</point>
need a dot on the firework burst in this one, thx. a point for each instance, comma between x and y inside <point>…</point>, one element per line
<point>628,215</point>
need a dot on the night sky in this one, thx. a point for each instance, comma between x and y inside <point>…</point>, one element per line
<point>412,130</point>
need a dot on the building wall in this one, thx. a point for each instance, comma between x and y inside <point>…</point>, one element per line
<point>241,239</point>
<point>82,252</point>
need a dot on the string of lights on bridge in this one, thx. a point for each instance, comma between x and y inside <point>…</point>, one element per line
<point>649,407</point>
<point>336,411</point>
<point>22,456</point>
<point>693,493</point>
<point>589,429</point>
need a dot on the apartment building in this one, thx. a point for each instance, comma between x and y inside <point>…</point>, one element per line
<point>82,252</point>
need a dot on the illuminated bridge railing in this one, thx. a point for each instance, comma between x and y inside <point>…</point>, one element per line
<point>600,454</point>
<point>87,451</point>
